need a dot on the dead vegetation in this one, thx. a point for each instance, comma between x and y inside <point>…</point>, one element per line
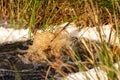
<point>52,12</point>
<point>53,45</point>
<point>46,45</point>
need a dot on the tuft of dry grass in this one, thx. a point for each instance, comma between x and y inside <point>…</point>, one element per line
<point>47,44</point>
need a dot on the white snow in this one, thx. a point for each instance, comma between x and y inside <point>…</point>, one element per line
<point>91,33</point>
<point>92,74</point>
<point>12,35</point>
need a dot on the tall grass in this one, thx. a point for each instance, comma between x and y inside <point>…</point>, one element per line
<point>39,14</point>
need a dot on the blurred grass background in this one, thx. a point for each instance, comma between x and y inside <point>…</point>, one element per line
<point>41,13</point>
<point>38,14</point>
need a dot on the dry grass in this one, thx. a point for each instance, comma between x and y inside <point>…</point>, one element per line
<point>40,13</point>
<point>52,12</point>
<point>47,44</point>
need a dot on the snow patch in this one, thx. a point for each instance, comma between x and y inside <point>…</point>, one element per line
<point>92,33</point>
<point>92,74</point>
<point>12,35</point>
